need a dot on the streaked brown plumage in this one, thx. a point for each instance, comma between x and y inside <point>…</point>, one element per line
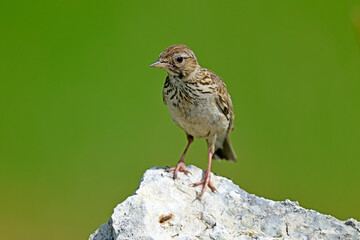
<point>200,104</point>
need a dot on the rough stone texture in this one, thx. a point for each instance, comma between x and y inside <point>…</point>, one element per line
<point>231,213</point>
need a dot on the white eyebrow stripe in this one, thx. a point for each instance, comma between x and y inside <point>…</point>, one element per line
<point>184,55</point>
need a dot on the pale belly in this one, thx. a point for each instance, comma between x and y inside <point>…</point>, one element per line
<point>200,120</point>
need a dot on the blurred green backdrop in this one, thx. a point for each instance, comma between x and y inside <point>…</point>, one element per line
<point>82,118</point>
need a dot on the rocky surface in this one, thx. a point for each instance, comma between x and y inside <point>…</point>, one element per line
<point>162,208</point>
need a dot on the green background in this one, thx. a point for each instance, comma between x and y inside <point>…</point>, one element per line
<point>82,118</point>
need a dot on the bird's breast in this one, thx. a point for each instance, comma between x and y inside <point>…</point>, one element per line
<point>196,112</point>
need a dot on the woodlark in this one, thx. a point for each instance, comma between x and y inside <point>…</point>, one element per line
<point>199,104</point>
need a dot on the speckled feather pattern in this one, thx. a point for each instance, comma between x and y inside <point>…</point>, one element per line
<point>195,106</point>
<point>198,100</point>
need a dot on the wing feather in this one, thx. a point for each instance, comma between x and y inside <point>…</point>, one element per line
<point>223,98</point>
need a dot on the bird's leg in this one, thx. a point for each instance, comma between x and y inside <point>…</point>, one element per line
<point>181,165</point>
<point>206,181</point>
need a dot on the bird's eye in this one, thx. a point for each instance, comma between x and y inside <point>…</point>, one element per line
<point>179,59</point>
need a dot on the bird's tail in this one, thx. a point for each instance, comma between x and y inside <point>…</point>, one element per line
<point>224,149</point>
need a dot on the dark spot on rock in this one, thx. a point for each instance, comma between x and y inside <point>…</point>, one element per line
<point>165,218</point>
<point>350,223</point>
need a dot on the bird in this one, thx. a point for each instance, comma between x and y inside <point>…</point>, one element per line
<point>200,105</point>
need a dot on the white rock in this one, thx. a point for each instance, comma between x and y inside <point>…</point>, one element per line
<point>230,213</point>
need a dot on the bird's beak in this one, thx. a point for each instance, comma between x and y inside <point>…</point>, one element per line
<point>159,64</point>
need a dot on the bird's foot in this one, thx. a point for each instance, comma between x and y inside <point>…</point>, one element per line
<point>179,167</point>
<point>205,182</point>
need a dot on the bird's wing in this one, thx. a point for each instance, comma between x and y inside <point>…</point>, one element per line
<point>166,85</point>
<point>223,98</point>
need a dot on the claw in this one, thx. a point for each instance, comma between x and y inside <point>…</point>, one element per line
<point>206,182</point>
<point>180,167</point>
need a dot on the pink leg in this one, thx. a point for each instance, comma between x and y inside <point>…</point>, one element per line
<point>181,165</point>
<point>206,181</point>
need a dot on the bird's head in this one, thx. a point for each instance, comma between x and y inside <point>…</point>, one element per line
<point>177,60</point>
